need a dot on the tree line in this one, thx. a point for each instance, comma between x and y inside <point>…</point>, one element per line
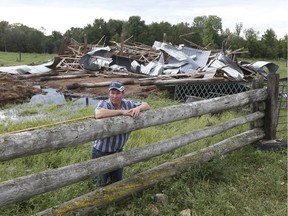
<point>204,32</point>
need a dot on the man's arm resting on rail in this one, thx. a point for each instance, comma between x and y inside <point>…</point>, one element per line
<point>105,113</point>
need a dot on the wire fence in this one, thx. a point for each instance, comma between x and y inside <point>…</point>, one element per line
<point>205,90</point>
<point>282,111</point>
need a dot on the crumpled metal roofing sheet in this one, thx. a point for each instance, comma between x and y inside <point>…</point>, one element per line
<point>217,65</point>
<point>172,51</point>
<point>182,59</point>
<point>153,68</point>
<point>259,67</point>
<point>200,57</point>
<point>27,69</point>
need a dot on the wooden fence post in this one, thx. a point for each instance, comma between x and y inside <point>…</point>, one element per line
<point>271,106</point>
<point>257,83</point>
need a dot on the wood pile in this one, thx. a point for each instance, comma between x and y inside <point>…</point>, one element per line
<point>136,51</point>
<point>71,51</point>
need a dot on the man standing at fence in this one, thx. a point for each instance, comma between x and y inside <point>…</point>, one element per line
<point>115,105</point>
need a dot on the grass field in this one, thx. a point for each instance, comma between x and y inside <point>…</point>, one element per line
<point>249,181</point>
<point>13,59</point>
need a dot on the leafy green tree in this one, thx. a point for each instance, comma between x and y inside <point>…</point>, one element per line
<point>53,42</point>
<point>200,22</point>
<point>114,28</point>
<point>135,27</point>
<point>195,37</point>
<point>253,43</point>
<point>213,27</point>
<point>209,27</point>
<point>270,44</point>
<point>199,26</point>
<point>238,28</point>
<point>96,31</point>
<point>75,33</point>
<point>156,32</point>
<point>233,40</point>
<point>17,38</point>
<point>20,38</point>
<point>35,41</point>
<point>178,30</point>
<point>4,30</point>
<point>282,48</point>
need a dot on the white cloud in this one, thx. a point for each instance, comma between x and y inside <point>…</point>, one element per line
<point>63,15</point>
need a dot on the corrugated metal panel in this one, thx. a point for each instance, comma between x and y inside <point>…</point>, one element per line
<point>172,51</point>
<point>183,59</point>
<point>259,67</point>
<point>152,68</point>
<point>227,69</point>
<point>200,57</point>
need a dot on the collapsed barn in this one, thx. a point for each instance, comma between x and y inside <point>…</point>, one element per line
<point>187,72</point>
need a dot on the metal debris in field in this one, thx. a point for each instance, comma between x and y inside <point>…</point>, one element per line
<point>161,60</point>
<point>96,59</point>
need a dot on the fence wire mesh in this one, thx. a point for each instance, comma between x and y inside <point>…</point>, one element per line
<point>209,90</point>
<point>282,111</point>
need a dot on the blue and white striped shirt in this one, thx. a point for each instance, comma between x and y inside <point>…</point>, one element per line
<point>116,142</point>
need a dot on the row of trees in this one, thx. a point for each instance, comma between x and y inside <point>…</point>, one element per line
<point>205,31</point>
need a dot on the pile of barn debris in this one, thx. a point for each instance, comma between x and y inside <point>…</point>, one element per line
<point>161,61</point>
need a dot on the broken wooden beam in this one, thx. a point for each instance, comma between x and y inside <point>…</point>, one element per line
<point>98,84</point>
<point>64,77</point>
<point>45,74</point>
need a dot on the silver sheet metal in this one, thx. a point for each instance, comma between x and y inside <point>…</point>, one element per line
<point>199,57</point>
<point>27,69</point>
<point>172,51</point>
<point>260,67</point>
<point>229,71</point>
<point>183,59</point>
<point>153,68</point>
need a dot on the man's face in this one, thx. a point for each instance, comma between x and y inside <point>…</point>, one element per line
<point>116,96</point>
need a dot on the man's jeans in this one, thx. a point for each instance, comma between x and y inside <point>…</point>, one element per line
<point>107,178</point>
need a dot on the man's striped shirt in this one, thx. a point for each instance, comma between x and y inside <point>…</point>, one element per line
<point>116,142</point>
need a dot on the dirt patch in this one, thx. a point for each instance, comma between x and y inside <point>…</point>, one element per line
<point>14,90</point>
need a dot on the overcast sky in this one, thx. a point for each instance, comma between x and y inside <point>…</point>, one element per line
<point>61,15</point>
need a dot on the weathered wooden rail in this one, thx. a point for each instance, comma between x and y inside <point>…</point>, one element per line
<point>49,139</point>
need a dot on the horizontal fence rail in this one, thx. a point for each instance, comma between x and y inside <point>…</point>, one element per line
<point>144,180</point>
<point>25,187</point>
<point>45,140</point>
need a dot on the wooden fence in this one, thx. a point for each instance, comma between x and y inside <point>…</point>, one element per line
<point>263,126</point>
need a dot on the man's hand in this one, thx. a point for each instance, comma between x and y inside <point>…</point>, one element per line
<point>134,112</point>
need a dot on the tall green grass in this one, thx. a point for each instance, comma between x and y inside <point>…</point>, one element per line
<point>282,71</point>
